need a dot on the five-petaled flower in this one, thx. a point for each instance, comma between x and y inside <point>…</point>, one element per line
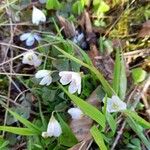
<point>53,128</point>
<point>73,78</point>
<point>31,58</point>
<point>45,75</point>
<point>30,38</point>
<point>75,113</point>
<point>115,104</point>
<point>37,16</point>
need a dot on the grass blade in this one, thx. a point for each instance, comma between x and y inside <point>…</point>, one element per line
<point>24,121</point>
<point>98,138</point>
<point>136,117</point>
<point>137,129</point>
<point>123,80</point>
<point>116,77</point>
<point>17,130</point>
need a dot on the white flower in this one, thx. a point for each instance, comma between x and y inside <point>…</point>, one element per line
<point>73,78</point>
<point>45,75</point>
<point>30,38</point>
<point>53,128</point>
<point>31,58</point>
<point>42,1</point>
<point>75,113</point>
<point>115,104</point>
<point>37,16</point>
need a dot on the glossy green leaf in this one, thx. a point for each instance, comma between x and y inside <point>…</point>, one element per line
<point>138,75</point>
<point>98,138</point>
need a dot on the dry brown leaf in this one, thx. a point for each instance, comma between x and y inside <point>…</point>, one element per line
<point>68,27</point>
<point>91,38</point>
<point>145,31</point>
<point>81,127</point>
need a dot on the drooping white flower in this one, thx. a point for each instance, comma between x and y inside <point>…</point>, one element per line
<point>42,1</point>
<point>53,128</point>
<point>30,38</point>
<point>37,16</point>
<point>75,113</point>
<point>45,76</point>
<point>115,104</point>
<point>31,58</point>
<point>73,78</point>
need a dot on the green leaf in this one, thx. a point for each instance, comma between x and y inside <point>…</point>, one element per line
<point>111,121</point>
<point>77,7</point>
<point>17,130</point>
<point>67,137</point>
<point>103,7</point>
<point>98,138</point>
<point>137,129</point>
<point>24,121</point>
<point>138,75</point>
<point>96,2</point>
<point>4,144</point>
<point>88,109</point>
<point>53,4</point>
<point>85,2</point>
<point>27,123</point>
<point>139,119</point>
<point>123,80</point>
<point>119,80</point>
<point>116,77</point>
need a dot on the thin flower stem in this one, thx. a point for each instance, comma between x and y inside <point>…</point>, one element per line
<point>15,74</point>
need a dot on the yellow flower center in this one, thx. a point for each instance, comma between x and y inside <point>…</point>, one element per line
<point>115,106</point>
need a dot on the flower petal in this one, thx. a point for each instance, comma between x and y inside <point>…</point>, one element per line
<point>28,58</point>
<point>37,16</point>
<point>30,40</point>
<point>54,128</point>
<point>65,79</point>
<point>122,105</point>
<point>75,113</point>
<point>24,36</point>
<point>115,104</point>
<point>42,73</point>
<point>73,87</point>
<point>37,37</point>
<point>47,80</point>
